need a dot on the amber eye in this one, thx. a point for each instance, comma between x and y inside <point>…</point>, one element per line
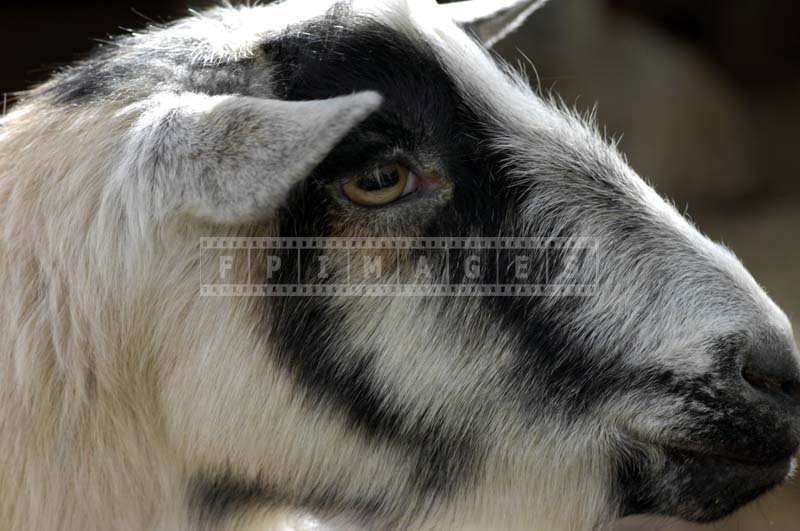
<point>381,187</point>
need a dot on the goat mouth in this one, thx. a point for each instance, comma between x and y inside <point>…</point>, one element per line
<point>733,484</point>
<point>700,484</point>
<point>780,454</point>
<point>781,460</point>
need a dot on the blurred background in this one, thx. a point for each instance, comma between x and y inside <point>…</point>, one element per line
<point>705,94</point>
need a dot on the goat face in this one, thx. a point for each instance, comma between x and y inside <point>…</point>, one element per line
<point>672,389</point>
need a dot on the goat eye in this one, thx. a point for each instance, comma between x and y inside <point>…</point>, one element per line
<point>383,186</point>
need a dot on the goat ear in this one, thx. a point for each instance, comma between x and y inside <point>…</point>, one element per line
<point>234,159</point>
<point>491,20</point>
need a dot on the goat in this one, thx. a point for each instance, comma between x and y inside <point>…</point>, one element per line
<point>129,401</point>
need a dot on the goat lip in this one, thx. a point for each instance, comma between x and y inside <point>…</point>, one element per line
<point>742,481</point>
<point>720,455</point>
<point>779,461</point>
<point>698,475</point>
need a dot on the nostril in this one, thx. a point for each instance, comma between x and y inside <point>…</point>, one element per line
<point>760,382</point>
<point>771,364</point>
<point>772,382</point>
<point>791,389</point>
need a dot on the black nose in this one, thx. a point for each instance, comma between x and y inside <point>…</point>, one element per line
<point>773,367</point>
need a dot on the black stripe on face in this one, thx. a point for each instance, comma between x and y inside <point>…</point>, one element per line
<point>420,114</point>
<point>212,498</point>
<point>340,377</point>
<point>215,497</point>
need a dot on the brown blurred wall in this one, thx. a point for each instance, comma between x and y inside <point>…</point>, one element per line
<point>705,94</point>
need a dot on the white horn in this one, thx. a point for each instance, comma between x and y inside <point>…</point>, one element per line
<point>491,20</point>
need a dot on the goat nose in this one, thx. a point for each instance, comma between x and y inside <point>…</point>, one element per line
<point>772,367</point>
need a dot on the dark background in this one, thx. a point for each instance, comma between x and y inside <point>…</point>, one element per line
<point>703,92</point>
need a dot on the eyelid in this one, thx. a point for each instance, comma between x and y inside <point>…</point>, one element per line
<point>385,157</point>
